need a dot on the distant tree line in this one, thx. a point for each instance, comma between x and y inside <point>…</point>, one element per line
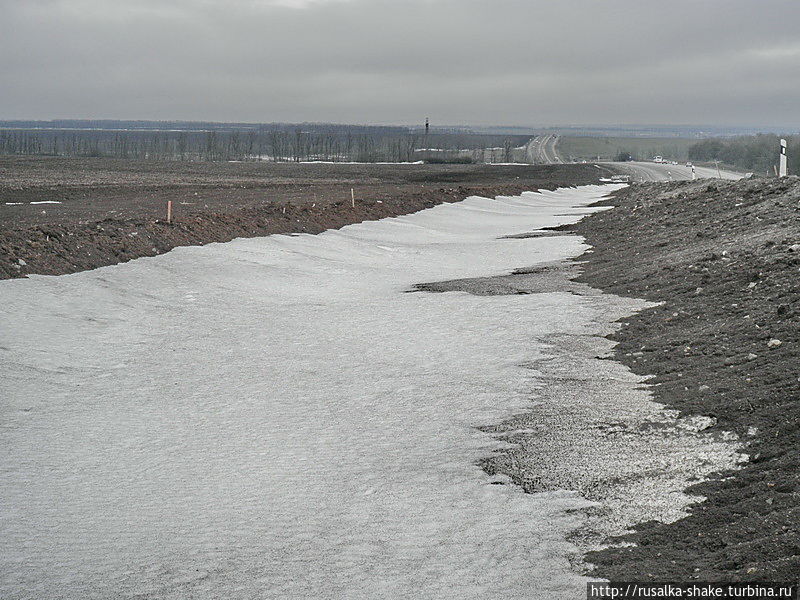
<point>280,143</point>
<point>755,153</point>
<point>213,145</point>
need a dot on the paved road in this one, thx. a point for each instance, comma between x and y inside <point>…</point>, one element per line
<point>646,171</point>
<point>541,150</point>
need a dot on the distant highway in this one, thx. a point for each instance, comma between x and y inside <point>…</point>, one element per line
<point>647,171</point>
<point>541,150</point>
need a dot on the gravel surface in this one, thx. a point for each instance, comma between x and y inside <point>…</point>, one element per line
<point>592,425</point>
<point>722,259</point>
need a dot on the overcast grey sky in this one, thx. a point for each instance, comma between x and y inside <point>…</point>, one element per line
<point>523,62</point>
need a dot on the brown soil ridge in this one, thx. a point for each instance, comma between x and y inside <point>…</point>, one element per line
<point>724,258</point>
<point>113,211</point>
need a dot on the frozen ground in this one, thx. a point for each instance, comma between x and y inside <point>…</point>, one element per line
<point>275,418</point>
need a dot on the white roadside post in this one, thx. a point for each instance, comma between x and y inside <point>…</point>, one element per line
<point>782,172</point>
<point>352,198</point>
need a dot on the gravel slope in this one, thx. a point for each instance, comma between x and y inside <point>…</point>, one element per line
<point>723,259</point>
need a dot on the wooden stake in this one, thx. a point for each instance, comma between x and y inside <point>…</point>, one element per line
<point>169,211</point>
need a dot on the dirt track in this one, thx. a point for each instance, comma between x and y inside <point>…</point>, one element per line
<point>723,257</point>
<point>109,211</point>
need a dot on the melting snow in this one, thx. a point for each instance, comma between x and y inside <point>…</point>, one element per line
<point>275,417</point>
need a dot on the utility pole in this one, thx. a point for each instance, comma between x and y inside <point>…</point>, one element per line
<point>425,145</point>
<point>782,171</point>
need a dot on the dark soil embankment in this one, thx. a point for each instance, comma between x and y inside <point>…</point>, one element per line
<point>724,258</point>
<point>88,213</point>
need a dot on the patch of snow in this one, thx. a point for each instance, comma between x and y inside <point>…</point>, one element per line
<point>274,417</point>
<point>342,162</point>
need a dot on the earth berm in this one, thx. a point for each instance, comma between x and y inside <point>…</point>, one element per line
<point>723,259</point>
<point>64,215</point>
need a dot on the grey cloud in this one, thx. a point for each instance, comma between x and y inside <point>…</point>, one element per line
<point>382,61</point>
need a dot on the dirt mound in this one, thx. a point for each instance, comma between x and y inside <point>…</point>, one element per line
<point>724,258</point>
<point>61,216</point>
